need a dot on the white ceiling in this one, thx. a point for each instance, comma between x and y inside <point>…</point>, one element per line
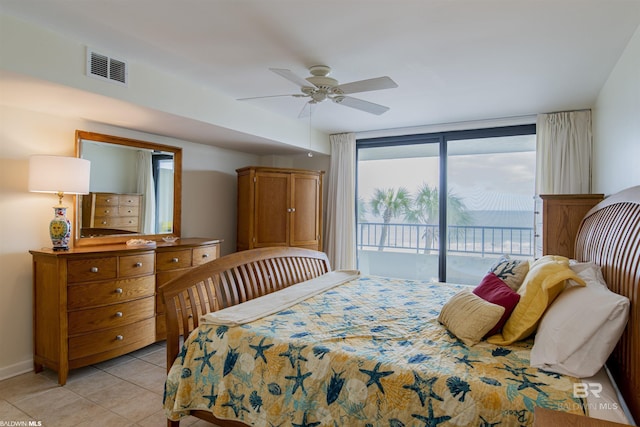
<point>454,60</point>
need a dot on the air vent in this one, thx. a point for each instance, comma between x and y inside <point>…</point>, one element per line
<point>105,68</point>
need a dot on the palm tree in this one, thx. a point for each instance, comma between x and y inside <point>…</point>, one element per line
<point>362,210</point>
<point>389,203</point>
<point>425,210</point>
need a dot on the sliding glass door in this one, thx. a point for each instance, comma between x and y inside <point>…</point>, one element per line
<point>398,209</point>
<point>445,206</point>
<point>491,187</point>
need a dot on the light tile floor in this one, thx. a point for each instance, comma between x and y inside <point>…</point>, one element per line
<point>122,392</point>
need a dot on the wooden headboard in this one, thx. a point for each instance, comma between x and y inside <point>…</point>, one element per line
<point>609,236</point>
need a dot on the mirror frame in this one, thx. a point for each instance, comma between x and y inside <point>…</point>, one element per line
<point>177,189</point>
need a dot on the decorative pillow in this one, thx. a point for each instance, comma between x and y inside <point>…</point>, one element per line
<point>510,271</point>
<point>469,317</point>
<point>544,281</point>
<point>581,328</point>
<point>495,291</point>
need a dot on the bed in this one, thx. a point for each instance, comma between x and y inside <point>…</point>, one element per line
<point>329,358</point>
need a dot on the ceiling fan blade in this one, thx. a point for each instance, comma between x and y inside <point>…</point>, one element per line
<point>289,75</point>
<point>296,95</point>
<point>360,104</point>
<point>366,85</point>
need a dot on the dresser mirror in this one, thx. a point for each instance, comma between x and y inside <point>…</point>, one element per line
<point>135,190</point>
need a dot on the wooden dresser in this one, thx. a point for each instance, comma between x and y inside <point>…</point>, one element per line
<point>95,303</point>
<point>561,217</point>
<point>113,211</point>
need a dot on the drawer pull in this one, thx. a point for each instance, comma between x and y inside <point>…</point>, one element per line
<point>119,337</point>
<point>174,260</point>
<point>118,290</point>
<point>138,264</point>
<point>119,314</point>
<point>190,316</point>
<point>108,200</point>
<point>205,255</point>
<point>104,222</point>
<point>94,269</point>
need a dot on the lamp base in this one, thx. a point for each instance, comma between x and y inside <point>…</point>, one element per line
<point>60,229</point>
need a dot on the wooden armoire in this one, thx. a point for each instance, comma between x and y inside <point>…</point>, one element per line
<point>279,207</point>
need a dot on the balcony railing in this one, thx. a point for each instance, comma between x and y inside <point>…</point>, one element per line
<point>471,239</point>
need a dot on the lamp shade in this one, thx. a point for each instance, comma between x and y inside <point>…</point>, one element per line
<point>57,174</point>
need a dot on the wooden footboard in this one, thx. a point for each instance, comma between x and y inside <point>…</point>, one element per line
<point>231,280</point>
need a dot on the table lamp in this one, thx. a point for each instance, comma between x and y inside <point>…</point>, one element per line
<point>60,175</point>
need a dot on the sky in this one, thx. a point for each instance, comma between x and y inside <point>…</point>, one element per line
<point>495,181</point>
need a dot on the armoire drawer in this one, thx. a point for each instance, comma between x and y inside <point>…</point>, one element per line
<point>110,316</point>
<point>101,293</point>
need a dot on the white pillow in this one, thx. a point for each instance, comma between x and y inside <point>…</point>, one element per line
<point>581,328</point>
<point>588,271</point>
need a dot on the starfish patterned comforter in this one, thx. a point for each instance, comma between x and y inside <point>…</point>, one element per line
<point>366,353</point>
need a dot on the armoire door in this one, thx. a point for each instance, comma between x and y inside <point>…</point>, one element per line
<point>305,203</point>
<point>272,204</point>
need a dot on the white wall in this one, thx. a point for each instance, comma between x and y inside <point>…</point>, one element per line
<point>616,125</point>
<point>39,53</point>
<point>208,209</point>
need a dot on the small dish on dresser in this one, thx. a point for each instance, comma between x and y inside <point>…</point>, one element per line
<point>141,242</point>
<point>170,239</point>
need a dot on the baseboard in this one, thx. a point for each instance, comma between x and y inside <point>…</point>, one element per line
<point>16,369</point>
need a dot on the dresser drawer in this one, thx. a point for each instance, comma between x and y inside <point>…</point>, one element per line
<point>173,260</point>
<point>106,211</point>
<point>110,316</point>
<point>111,339</point>
<point>90,269</point>
<point>204,254</point>
<point>106,199</point>
<point>129,200</point>
<point>116,221</point>
<point>128,211</point>
<point>136,265</point>
<point>102,293</point>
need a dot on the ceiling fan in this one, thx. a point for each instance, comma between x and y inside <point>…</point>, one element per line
<point>320,87</point>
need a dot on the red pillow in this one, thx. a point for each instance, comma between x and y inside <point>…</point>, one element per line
<point>496,291</point>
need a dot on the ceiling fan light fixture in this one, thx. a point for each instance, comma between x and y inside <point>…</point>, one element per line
<point>319,96</point>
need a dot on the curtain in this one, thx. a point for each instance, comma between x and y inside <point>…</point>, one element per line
<point>146,187</point>
<point>563,153</point>
<point>341,209</point>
